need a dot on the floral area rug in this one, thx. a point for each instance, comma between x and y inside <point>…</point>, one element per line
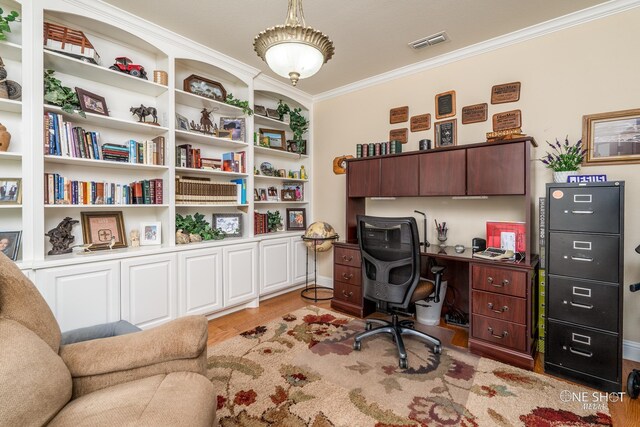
<point>301,370</point>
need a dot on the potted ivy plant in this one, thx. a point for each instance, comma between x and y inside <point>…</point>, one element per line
<point>274,221</point>
<point>564,159</point>
<point>298,123</point>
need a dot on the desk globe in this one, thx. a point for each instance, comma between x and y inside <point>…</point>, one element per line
<point>320,230</point>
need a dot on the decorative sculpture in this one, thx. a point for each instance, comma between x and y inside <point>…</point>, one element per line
<point>205,121</point>
<point>135,238</point>
<point>60,237</point>
<point>142,112</point>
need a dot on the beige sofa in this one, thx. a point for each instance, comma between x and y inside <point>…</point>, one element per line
<point>148,378</point>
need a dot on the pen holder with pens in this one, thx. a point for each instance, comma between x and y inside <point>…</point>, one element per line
<point>442,233</point>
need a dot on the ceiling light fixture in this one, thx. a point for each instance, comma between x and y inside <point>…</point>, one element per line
<point>293,50</point>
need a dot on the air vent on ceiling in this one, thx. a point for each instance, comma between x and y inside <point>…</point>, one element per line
<point>429,40</point>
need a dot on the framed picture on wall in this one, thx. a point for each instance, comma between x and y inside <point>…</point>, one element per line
<point>445,133</point>
<point>611,138</point>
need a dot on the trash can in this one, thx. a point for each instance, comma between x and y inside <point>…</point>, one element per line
<point>428,312</point>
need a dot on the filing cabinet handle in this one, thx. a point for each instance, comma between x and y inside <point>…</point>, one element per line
<point>504,333</point>
<point>582,212</point>
<point>346,276</point>
<point>577,304</point>
<point>579,258</point>
<point>347,295</point>
<point>580,352</point>
<point>502,310</point>
<point>504,283</point>
<point>347,258</point>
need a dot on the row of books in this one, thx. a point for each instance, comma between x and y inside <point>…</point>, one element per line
<point>60,190</point>
<point>260,223</point>
<point>144,153</point>
<point>204,191</point>
<point>378,149</point>
<point>189,157</point>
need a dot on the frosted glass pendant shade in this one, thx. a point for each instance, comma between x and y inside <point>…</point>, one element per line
<point>292,57</point>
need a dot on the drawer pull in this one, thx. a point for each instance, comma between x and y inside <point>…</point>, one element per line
<point>347,258</point>
<point>347,295</point>
<point>504,283</point>
<point>577,304</point>
<point>504,333</point>
<point>502,309</point>
<point>580,352</point>
<point>582,212</point>
<point>346,276</point>
<point>579,258</point>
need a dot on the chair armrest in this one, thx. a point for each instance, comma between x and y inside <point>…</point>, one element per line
<point>184,338</point>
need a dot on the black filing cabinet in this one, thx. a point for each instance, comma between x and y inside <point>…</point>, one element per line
<point>585,264</point>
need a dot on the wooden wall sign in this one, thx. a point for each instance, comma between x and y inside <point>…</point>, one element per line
<point>445,133</point>
<point>421,122</point>
<point>399,115</point>
<point>446,104</point>
<point>474,113</point>
<point>401,135</point>
<point>507,92</point>
<point>507,120</point>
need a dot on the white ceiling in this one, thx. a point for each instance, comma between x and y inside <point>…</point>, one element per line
<point>370,36</point>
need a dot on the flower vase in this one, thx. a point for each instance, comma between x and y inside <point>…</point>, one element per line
<point>562,176</point>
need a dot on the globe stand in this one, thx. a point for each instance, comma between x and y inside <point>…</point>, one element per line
<point>314,287</point>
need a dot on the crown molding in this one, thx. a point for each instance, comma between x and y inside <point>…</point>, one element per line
<point>557,24</point>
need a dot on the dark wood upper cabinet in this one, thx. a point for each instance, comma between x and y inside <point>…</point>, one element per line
<point>443,173</point>
<point>399,176</point>
<point>496,169</point>
<point>363,178</point>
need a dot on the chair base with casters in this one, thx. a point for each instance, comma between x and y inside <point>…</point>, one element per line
<point>397,328</point>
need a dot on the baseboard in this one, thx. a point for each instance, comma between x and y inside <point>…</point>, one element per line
<point>281,292</point>
<point>631,350</point>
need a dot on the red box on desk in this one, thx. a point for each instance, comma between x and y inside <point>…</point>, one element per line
<point>496,228</point>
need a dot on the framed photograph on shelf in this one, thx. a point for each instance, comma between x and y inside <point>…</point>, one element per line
<point>263,194</point>
<point>276,137</point>
<point>296,219</point>
<point>288,195</point>
<point>151,233</point>
<point>92,103</point>
<point>272,113</point>
<point>235,126</point>
<point>297,188</point>
<point>182,123</point>
<point>105,230</point>
<point>201,86</point>
<point>222,133</point>
<point>272,194</point>
<point>260,110</point>
<point>612,138</point>
<point>256,195</point>
<point>229,224</point>
<point>10,243</point>
<point>445,133</point>
<point>10,191</point>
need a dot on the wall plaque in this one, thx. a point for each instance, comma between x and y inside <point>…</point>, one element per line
<point>445,133</point>
<point>401,135</point>
<point>507,92</point>
<point>399,115</point>
<point>507,120</point>
<point>446,104</point>
<point>421,122</point>
<point>474,113</point>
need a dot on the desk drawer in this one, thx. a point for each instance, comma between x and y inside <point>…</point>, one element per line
<point>587,256</point>
<point>346,274</point>
<point>499,332</point>
<point>347,293</point>
<point>347,256</point>
<point>499,306</point>
<point>500,280</point>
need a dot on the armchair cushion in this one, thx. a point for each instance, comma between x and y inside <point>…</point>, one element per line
<point>105,330</point>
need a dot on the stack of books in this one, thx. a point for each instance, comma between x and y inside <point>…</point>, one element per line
<point>188,157</point>
<point>260,223</point>
<point>234,162</point>
<point>60,190</point>
<point>197,190</point>
<point>378,149</point>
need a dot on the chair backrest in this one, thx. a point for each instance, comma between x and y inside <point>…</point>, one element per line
<point>390,249</point>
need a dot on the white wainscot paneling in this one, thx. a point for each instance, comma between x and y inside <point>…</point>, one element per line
<point>240,267</point>
<point>200,281</point>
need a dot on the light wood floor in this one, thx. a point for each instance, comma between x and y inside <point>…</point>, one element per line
<point>624,414</point>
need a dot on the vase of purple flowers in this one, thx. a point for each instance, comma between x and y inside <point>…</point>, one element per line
<point>565,159</point>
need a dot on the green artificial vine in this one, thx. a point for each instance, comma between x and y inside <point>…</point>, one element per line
<point>198,225</point>
<point>62,96</point>
<point>4,22</point>
<point>239,103</point>
<point>274,220</point>
<point>298,123</point>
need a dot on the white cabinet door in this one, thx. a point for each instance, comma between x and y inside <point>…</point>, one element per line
<point>239,268</point>
<point>275,265</point>
<point>82,295</point>
<point>200,281</point>
<point>299,250</point>
<point>149,290</point>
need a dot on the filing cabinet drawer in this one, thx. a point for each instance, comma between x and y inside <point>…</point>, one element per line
<point>583,302</point>
<point>499,306</point>
<point>501,280</point>
<point>345,256</point>
<point>587,209</point>
<point>586,256</point>
<point>582,349</point>
<point>499,332</point>
<point>348,293</point>
<point>346,274</point>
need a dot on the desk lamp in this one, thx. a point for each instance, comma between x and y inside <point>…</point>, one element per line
<point>426,242</point>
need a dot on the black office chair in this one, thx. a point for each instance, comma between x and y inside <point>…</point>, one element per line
<point>390,251</point>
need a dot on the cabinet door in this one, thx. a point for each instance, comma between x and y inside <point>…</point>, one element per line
<point>299,249</point>
<point>200,281</point>
<point>399,176</point>
<point>363,177</point>
<point>149,290</point>
<point>496,169</point>
<point>240,264</point>
<point>443,173</point>
<point>275,265</point>
<point>82,295</point>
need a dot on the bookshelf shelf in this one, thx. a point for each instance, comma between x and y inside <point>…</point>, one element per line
<point>109,122</point>
<point>10,106</point>
<point>277,178</point>
<point>8,155</point>
<point>268,121</point>
<point>278,153</point>
<point>3,206</point>
<point>196,101</point>
<point>105,207</point>
<point>270,202</point>
<point>209,172</point>
<point>198,138</point>
<point>212,205</point>
<point>10,51</point>
<point>101,163</point>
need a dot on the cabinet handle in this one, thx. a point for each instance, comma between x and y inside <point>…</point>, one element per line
<point>577,304</point>
<point>504,333</point>
<point>578,258</point>
<point>580,352</point>
<point>582,212</point>
<point>346,276</point>
<point>347,258</point>
<point>503,309</point>
<point>347,295</point>
<point>504,283</point>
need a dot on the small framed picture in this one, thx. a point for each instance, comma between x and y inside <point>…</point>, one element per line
<point>272,194</point>
<point>10,243</point>
<point>229,224</point>
<point>182,123</point>
<point>272,113</point>
<point>260,110</point>
<point>446,104</point>
<point>235,126</point>
<point>105,230</point>
<point>297,188</point>
<point>10,191</point>
<point>296,219</point>
<point>92,103</point>
<point>204,87</point>
<point>222,133</point>
<point>611,138</point>
<point>263,194</point>
<point>276,137</point>
<point>288,195</point>
<point>282,173</point>
<point>445,133</point>
<point>151,233</point>
<point>256,195</point>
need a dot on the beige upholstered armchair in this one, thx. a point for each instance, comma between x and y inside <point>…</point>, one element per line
<point>149,378</point>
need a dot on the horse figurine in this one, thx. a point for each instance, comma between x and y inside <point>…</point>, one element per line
<point>142,112</point>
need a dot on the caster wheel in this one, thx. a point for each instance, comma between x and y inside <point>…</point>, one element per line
<point>404,364</point>
<point>368,326</point>
<point>633,384</point>
<point>437,349</point>
<point>357,345</point>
